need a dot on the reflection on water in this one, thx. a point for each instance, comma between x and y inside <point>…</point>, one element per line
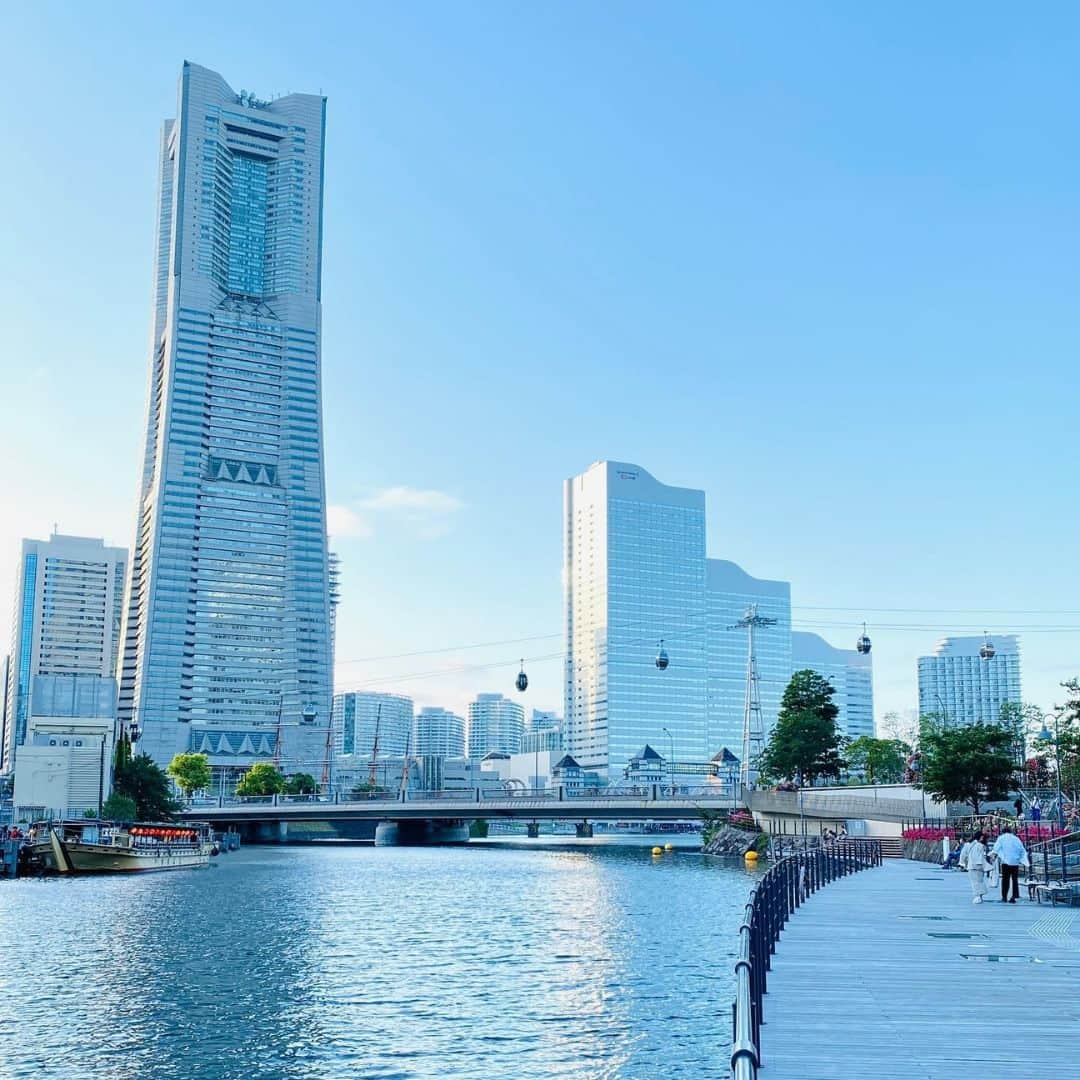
<point>478,962</point>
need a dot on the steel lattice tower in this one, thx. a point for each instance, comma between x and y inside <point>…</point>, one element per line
<point>753,733</point>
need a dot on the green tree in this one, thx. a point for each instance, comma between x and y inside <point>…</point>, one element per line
<point>882,760</point>
<point>147,786</point>
<point>301,783</point>
<point>119,807</point>
<point>261,779</point>
<point>805,743</point>
<point>191,772</point>
<point>971,764</point>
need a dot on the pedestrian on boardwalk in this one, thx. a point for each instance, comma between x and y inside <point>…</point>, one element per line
<point>1009,851</point>
<point>964,849</point>
<point>976,867</point>
<point>1036,810</point>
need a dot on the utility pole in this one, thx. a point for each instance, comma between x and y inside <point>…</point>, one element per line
<point>753,734</point>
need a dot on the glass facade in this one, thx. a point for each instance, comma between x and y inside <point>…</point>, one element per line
<point>495,723</point>
<point>357,715</point>
<point>962,688</point>
<point>438,733</point>
<point>851,674</point>
<point>227,631</point>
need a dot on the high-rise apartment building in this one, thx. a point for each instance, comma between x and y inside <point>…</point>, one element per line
<point>495,723</point>
<point>634,573</point>
<point>961,687</point>
<point>68,602</point>
<point>357,717</point>
<point>730,593</point>
<point>851,674</point>
<point>227,626</point>
<point>438,733</point>
<point>543,732</point>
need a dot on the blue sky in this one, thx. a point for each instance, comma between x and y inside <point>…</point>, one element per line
<point>819,260</point>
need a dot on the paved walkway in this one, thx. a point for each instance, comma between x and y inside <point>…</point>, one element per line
<point>865,985</point>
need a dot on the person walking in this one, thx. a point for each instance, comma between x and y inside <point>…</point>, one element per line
<point>1010,854</point>
<point>976,867</point>
<point>1036,810</point>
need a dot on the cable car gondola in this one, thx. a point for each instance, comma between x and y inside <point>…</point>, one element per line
<point>661,656</point>
<point>862,644</point>
<point>987,651</point>
<point>522,681</point>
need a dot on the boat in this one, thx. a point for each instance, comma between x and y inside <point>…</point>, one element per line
<point>89,846</point>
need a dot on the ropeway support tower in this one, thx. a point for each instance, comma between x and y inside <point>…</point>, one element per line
<point>753,732</point>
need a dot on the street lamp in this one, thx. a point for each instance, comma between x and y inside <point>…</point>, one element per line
<point>671,760</point>
<point>1045,736</point>
<point>944,711</point>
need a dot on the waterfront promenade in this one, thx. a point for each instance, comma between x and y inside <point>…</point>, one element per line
<point>865,984</point>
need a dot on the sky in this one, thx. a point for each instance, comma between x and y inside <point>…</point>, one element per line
<point>818,260</point>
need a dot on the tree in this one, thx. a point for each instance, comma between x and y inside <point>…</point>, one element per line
<point>261,779</point>
<point>805,743</point>
<point>970,764</point>
<point>882,760</point>
<point>301,783</point>
<point>147,786</point>
<point>119,807</point>
<point>191,772</point>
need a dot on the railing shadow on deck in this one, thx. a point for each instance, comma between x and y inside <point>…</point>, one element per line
<point>783,889</point>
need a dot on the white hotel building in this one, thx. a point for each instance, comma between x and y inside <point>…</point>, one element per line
<point>959,686</point>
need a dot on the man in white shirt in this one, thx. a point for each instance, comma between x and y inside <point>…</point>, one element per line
<point>1010,853</point>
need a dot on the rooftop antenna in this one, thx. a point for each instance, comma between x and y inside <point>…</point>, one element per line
<point>753,732</point>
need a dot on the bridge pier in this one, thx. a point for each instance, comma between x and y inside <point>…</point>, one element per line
<point>420,833</point>
<point>272,832</point>
<point>533,830</point>
<point>584,830</point>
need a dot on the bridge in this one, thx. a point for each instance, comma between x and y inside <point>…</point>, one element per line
<point>894,803</point>
<point>443,816</point>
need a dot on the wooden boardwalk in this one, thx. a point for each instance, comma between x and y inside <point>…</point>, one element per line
<point>864,984</point>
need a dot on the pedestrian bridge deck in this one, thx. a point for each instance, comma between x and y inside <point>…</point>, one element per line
<point>865,985</point>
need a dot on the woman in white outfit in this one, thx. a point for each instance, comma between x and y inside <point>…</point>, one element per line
<point>977,867</point>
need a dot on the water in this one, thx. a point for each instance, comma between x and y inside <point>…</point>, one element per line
<point>485,961</point>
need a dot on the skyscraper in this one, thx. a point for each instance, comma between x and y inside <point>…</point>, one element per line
<point>730,591</point>
<point>851,674</point>
<point>634,573</point>
<point>357,715</point>
<point>495,723</point>
<point>961,687</point>
<point>69,593</point>
<point>227,627</point>
<point>438,733</point>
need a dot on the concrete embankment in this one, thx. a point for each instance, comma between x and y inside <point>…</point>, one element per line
<point>923,850</point>
<point>728,841</point>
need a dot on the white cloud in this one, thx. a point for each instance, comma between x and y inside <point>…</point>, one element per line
<point>425,512</point>
<point>403,498</point>
<point>342,522</point>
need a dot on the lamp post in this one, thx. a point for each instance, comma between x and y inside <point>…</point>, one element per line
<point>671,760</point>
<point>944,711</point>
<point>1045,736</point>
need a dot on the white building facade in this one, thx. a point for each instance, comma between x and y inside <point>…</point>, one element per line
<point>961,687</point>
<point>634,573</point>
<point>69,598</point>
<point>495,724</point>
<point>439,733</point>
<point>851,674</point>
<point>227,630</point>
<point>357,717</point>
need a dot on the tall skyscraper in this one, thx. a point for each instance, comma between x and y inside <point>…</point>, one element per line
<point>357,715</point>
<point>730,591</point>
<point>634,573</point>
<point>495,723</point>
<point>69,593</point>
<point>543,732</point>
<point>961,687</point>
<point>438,733</point>
<point>851,674</point>
<point>227,627</point>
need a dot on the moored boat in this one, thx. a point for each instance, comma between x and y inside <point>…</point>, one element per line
<point>106,847</point>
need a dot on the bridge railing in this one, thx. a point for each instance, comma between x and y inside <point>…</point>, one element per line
<point>783,888</point>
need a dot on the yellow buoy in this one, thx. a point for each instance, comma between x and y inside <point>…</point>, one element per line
<point>751,856</point>
<point>658,851</point>
<point>669,847</point>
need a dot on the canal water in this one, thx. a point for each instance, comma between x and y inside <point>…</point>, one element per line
<point>485,961</point>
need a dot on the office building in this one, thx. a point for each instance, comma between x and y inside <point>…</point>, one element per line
<point>543,732</point>
<point>439,733</point>
<point>69,596</point>
<point>851,674</point>
<point>730,593</point>
<point>634,573</point>
<point>359,716</point>
<point>495,724</point>
<point>961,687</point>
<point>227,627</point>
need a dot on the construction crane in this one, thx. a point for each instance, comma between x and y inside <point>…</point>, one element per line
<point>753,733</point>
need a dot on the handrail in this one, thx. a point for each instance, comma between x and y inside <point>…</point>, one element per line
<point>783,888</point>
<point>1066,848</point>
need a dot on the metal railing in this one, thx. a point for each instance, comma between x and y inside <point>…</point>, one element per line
<point>783,889</point>
<point>1057,859</point>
